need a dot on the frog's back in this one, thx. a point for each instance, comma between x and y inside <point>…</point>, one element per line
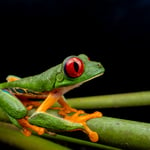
<point>41,82</point>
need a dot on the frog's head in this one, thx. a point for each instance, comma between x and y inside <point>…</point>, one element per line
<point>76,70</point>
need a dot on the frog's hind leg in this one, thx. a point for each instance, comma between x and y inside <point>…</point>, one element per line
<point>17,112</point>
<point>28,103</point>
<point>65,109</point>
<point>27,127</point>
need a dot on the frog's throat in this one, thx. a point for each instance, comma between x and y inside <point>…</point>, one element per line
<point>66,89</point>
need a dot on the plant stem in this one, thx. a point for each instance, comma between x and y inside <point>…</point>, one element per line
<point>112,131</point>
<point>81,142</point>
<point>8,132</point>
<point>10,135</point>
<point>119,133</point>
<point>111,101</point>
<point>6,127</point>
<point>122,133</point>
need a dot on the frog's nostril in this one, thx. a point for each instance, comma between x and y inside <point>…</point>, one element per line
<point>99,65</point>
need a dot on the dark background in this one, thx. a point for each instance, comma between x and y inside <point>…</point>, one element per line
<point>36,35</point>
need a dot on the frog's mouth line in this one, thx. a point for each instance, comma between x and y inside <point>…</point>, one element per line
<point>92,78</point>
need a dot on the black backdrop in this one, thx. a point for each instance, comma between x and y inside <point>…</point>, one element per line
<point>36,35</point>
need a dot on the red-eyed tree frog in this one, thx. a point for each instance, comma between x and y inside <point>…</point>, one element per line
<point>50,86</point>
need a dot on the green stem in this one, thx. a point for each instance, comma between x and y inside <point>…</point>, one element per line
<point>119,133</point>
<point>115,132</point>
<point>8,132</point>
<point>110,101</point>
<point>81,142</point>
<point>10,135</point>
<point>122,133</point>
<point>6,127</point>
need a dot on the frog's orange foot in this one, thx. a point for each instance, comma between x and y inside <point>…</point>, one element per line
<point>63,111</point>
<point>82,119</point>
<point>28,128</point>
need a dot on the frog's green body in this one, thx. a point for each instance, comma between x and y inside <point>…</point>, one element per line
<point>50,85</point>
<point>39,83</point>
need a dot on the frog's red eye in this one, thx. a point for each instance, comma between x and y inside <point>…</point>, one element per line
<point>74,67</point>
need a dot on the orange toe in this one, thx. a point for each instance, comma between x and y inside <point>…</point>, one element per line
<point>26,132</point>
<point>27,127</point>
<point>63,111</point>
<point>78,118</point>
<point>93,136</point>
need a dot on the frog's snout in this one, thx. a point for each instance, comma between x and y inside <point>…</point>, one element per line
<point>100,66</point>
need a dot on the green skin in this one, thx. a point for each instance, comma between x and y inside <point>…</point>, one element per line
<point>53,78</point>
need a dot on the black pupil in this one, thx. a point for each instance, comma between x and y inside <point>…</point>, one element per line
<point>76,67</point>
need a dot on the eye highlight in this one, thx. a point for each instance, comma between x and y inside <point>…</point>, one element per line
<point>74,67</point>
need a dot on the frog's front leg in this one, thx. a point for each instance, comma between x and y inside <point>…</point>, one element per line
<point>76,118</point>
<point>65,108</point>
<point>56,96</point>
